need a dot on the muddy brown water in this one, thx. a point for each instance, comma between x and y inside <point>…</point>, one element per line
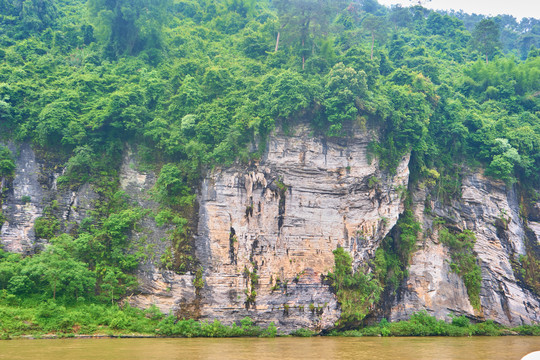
<point>329,348</point>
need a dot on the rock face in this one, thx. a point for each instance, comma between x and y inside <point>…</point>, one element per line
<point>33,189</point>
<point>492,212</point>
<point>266,232</point>
<point>162,288</point>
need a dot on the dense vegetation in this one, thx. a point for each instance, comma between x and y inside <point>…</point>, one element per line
<point>51,319</point>
<point>423,324</point>
<point>196,83</point>
<point>360,290</point>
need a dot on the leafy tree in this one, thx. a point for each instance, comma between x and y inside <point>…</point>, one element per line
<point>486,37</point>
<point>344,88</point>
<point>504,161</point>
<point>376,27</point>
<point>10,266</point>
<point>400,16</point>
<point>172,187</point>
<point>55,269</point>
<point>306,20</point>
<point>52,122</point>
<point>128,26</point>
<point>288,94</point>
<point>32,15</point>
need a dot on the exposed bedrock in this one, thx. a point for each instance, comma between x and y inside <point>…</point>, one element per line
<point>265,233</point>
<point>280,219</point>
<point>492,212</point>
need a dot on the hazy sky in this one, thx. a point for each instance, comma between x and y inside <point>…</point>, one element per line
<point>517,8</point>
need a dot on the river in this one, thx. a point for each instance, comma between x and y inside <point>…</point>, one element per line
<point>327,348</point>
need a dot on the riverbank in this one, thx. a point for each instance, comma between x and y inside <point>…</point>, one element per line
<point>50,320</point>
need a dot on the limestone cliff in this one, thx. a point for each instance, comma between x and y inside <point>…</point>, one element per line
<point>264,233</point>
<point>492,211</point>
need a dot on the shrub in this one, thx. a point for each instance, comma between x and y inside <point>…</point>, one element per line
<point>356,291</point>
<point>303,333</point>
<point>46,227</point>
<point>7,165</point>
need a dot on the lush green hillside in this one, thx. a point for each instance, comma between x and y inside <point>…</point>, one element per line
<point>195,82</point>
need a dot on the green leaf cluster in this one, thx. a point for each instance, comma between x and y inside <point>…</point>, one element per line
<point>464,262</point>
<point>357,292</point>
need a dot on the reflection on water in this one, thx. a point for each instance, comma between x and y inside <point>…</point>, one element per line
<point>280,349</point>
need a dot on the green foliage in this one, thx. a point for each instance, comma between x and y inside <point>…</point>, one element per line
<point>392,257</point>
<point>170,326</point>
<point>28,17</point>
<point>530,330</point>
<point>252,281</point>
<point>171,187</point>
<point>344,88</point>
<point>423,324</point>
<point>486,37</point>
<point>530,271</point>
<point>464,261</point>
<point>126,27</point>
<point>59,273</point>
<point>46,227</point>
<point>303,333</point>
<point>7,165</point>
<point>198,280</point>
<point>357,292</point>
<point>45,317</point>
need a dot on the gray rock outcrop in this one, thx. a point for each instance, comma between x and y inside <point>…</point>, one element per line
<point>492,211</point>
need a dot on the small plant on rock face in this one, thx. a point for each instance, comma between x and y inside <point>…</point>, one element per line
<point>286,308</point>
<point>253,280</point>
<point>25,199</point>
<point>198,280</point>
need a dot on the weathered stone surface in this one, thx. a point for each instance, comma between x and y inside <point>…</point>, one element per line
<point>147,238</point>
<point>491,211</point>
<point>17,234</point>
<point>37,180</point>
<point>283,217</point>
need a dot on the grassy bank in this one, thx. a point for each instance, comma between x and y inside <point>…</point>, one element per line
<point>422,324</point>
<point>49,319</point>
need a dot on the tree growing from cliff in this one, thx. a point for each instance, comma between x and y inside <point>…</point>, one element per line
<point>357,292</point>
